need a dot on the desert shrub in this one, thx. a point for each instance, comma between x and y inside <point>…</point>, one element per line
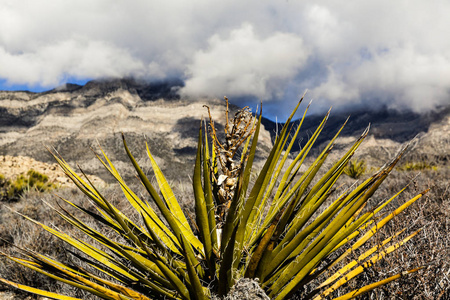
<point>3,186</point>
<point>416,166</point>
<point>286,229</point>
<point>12,190</point>
<point>355,168</point>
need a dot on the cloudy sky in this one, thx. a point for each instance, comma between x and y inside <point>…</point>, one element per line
<point>346,53</point>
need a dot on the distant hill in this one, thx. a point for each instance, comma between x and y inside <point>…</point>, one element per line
<point>384,124</point>
<point>74,118</point>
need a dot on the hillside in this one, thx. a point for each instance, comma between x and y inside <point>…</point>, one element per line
<point>388,130</point>
<point>73,119</point>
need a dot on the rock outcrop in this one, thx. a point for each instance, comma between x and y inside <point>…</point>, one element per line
<point>13,166</point>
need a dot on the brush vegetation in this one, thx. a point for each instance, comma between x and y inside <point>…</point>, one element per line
<point>12,190</point>
<point>416,166</point>
<point>355,168</point>
<point>287,229</point>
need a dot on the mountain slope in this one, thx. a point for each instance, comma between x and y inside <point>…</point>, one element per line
<point>389,129</point>
<point>73,119</point>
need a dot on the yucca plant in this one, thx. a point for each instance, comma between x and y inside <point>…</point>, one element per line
<point>286,229</point>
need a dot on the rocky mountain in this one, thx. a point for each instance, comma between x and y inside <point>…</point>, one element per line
<point>389,129</point>
<point>385,123</point>
<point>72,119</point>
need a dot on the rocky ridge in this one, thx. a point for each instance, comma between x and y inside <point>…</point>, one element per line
<point>73,119</point>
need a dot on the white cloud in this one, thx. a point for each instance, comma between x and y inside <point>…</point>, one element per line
<point>352,52</point>
<point>399,78</point>
<point>244,64</point>
<point>49,64</point>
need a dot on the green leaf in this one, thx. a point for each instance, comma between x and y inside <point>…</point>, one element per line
<point>38,291</point>
<point>200,207</point>
<point>369,287</point>
<point>196,290</point>
<point>207,169</point>
<point>168,215</point>
<point>172,202</point>
<point>359,269</point>
<point>145,210</point>
<point>341,272</point>
<point>226,276</point>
